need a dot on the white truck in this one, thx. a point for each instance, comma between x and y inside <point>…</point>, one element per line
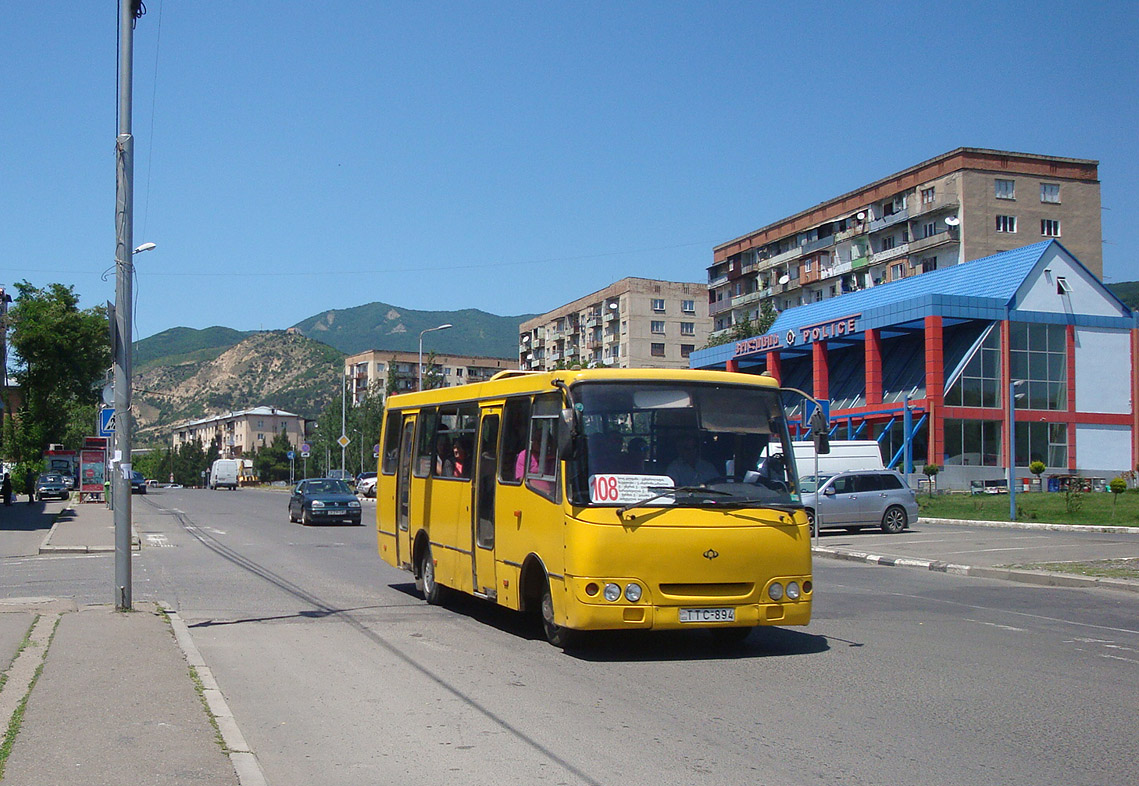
<point>845,455</point>
<point>224,474</point>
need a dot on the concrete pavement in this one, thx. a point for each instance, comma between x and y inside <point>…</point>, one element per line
<point>101,697</point>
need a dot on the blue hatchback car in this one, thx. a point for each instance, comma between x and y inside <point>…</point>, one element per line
<point>324,500</point>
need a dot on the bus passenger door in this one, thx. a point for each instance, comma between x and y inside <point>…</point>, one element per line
<point>403,492</point>
<point>482,512</point>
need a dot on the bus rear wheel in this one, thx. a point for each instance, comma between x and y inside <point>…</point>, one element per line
<point>556,634</point>
<point>433,592</point>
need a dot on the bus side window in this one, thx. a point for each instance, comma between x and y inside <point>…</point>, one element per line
<point>516,423</point>
<point>426,450</point>
<point>391,442</point>
<point>542,461</point>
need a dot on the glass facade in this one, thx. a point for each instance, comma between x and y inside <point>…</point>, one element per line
<point>973,443</point>
<point>979,384</point>
<point>1047,442</point>
<point>1038,355</point>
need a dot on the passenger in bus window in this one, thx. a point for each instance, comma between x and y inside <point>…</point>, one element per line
<point>688,468</point>
<point>635,456</point>
<point>462,462</point>
<point>444,457</point>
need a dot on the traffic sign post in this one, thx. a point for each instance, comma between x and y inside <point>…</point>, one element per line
<point>107,422</point>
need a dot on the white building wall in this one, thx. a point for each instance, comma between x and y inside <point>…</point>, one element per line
<point>1103,448</point>
<point>1103,371</point>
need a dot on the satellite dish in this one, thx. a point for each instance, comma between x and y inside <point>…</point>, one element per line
<point>784,279</point>
<point>862,216</point>
<point>952,221</point>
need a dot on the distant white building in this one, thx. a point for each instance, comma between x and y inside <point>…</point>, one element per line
<point>241,433</point>
<point>368,372</point>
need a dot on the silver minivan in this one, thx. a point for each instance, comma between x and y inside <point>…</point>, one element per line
<point>860,498</point>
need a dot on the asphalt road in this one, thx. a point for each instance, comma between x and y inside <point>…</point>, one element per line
<point>338,673</point>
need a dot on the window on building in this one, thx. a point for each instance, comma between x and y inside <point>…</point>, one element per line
<point>688,306</point>
<point>656,326</point>
<point>688,328</point>
<point>928,264</point>
<point>887,242</point>
<point>1038,441</point>
<point>656,350</point>
<point>1006,224</point>
<point>929,229</point>
<point>1038,355</point>
<point>1004,189</point>
<point>979,384</point>
<point>808,265</point>
<point>687,349</point>
<point>973,443</point>
<point>658,304</point>
<point>1050,227</point>
<point>927,195</point>
<point>818,295</point>
<point>1050,192</point>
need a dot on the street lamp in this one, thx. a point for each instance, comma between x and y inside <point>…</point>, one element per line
<point>1012,397</point>
<point>419,385</point>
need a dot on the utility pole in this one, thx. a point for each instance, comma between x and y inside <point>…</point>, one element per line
<point>124,273</point>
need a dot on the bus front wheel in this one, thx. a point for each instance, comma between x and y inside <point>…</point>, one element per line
<point>556,634</point>
<point>433,592</point>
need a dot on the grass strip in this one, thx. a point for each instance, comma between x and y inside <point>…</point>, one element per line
<point>17,718</point>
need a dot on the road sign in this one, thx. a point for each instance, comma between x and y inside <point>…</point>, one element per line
<point>306,448</point>
<point>343,441</point>
<point>376,450</point>
<point>290,455</point>
<point>107,422</point>
<point>304,454</point>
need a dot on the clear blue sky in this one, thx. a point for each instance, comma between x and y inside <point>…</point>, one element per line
<point>293,157</point>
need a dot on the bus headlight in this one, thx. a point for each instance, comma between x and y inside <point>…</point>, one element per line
<point>775,591</point>
<point>612,592</point>
<point>792,590</point>
<point>633,593</point>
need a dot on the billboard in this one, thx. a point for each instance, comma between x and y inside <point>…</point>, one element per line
<point>92,471</point>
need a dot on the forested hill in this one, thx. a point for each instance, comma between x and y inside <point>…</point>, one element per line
<point>1128,292</point>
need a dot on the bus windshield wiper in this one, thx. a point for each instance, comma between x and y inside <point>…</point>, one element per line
<point>672,492</point>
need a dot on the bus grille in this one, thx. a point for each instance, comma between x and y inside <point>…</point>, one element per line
<point>740,589</point>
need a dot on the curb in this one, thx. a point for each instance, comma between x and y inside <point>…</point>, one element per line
<point>47,548</point>
<point>244,760</point>
<point>1039,577</point>
<point>1103,528</point>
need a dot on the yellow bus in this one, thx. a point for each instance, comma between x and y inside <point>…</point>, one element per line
<point>600,499</point>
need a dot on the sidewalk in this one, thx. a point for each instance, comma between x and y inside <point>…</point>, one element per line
<point>100,697</point>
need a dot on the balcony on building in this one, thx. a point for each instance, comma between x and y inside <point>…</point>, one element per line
<point>888,221</point>
<point>899,250</point>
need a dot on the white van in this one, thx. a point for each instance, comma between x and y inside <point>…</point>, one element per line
<point>846,454</point>
<point>223,474</point>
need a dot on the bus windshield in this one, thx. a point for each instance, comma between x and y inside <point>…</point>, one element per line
<point>695,444</point>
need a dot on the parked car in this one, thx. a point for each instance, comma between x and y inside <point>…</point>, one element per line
<point>366,486</point>
<point>364,476</point>
<point>138,483</point>
<point>857,499</point>
<point>323,499</point>
<point>51,484</point>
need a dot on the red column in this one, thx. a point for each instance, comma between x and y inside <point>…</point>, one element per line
<point>1070,346</point>
<point>873,365</point>
<point>732,365</point>
<point>934,386</point>
<point>1006,377</point>
<point>1134,397</point>
<point>821,372</point>
<point>775,366</point>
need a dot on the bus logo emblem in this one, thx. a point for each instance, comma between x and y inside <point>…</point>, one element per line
<point>711,554</point>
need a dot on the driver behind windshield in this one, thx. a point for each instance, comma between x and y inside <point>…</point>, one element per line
<point>688,468</point>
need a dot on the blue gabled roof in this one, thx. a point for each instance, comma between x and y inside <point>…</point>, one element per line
<point>997,277</point>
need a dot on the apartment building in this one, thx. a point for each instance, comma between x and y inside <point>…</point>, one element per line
<point>634,323</point>
<point>966,204</point>
<point>368,372</point>
<point>241,433</point>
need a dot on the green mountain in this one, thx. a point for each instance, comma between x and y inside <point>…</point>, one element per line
<point>1128,292</point>
<point>386,327</point>
<point>182,345</point>
<point>272,368</point>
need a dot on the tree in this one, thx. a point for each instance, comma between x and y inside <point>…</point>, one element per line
<point>61,353</point>
<point>189,463</point>
<point>1037,468</point>
<point>930,471</point>
<point>272,461</point>
<point>1117,486</point>
<point>767,317</point>
<point>432,373</point>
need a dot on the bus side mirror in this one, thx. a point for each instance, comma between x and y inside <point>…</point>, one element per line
<point>567,430</point>
<point>819,432</point>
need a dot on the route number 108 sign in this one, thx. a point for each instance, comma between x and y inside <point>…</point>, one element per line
<point>625,489</point>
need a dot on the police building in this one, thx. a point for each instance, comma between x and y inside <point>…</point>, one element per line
<point>935,365</point>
